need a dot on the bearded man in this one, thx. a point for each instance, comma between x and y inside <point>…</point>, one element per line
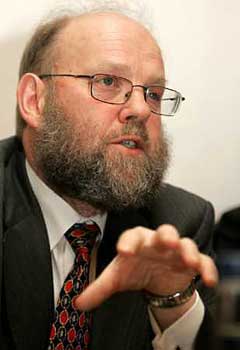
<point>96,251</point>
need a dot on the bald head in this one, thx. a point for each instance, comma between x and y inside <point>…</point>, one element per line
<point>73,43</point>
<point>109,36</point>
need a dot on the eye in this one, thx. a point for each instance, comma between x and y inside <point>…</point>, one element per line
<point>107,81</point>
<point>155,93</point>
<point>155,96</point>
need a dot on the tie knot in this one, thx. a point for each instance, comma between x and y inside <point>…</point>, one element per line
<point>82,235</point>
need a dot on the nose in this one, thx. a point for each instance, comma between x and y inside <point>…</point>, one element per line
<point>136,107</point>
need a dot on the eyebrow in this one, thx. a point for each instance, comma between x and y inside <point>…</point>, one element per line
<point>123,69</point>
<point>114,68</point>
<point>158,81</point>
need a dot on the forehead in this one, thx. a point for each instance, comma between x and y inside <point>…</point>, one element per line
<point>108,41</point>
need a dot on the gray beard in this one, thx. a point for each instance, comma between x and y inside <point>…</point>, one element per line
<point>92,176</point>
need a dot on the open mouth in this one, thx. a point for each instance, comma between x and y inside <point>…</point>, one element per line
<point>129,144</point>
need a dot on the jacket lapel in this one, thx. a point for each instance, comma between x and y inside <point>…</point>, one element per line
<point>27,261</point>
<point>28,283</point>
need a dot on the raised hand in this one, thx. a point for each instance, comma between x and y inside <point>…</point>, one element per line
<point>160,262</point>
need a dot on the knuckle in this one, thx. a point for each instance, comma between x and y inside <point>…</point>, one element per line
<point>131,231</point>
<point>115,285</point>
<point>189,243</point>
<point>169,229</point>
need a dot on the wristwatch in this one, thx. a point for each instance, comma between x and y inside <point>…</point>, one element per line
<point>172,300</point>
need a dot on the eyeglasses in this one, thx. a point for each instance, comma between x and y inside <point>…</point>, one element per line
<point>116,90</point>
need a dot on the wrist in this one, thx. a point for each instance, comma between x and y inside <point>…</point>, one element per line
<point>172,300</point>
<point>168,316</point>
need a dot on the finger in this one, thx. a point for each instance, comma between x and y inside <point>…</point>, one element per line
<point>141,240</point>
<point>134,240</point>
<point>208,271</point>
<point>101,289</point>
<point>166,236</point>
<point>199,262</point>
<point>190,254</point>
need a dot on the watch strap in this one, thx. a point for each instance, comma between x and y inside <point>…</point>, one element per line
<point>172,300</point>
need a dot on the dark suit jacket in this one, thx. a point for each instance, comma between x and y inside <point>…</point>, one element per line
<point>25,264</point>
<point>227,232</point>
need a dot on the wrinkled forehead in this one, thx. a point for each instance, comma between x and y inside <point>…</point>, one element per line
<point>106,36</point>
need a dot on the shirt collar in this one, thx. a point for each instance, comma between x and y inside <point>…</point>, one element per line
<point>59,216</point>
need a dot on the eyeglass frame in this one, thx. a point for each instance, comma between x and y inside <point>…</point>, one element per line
<point>145,89</point>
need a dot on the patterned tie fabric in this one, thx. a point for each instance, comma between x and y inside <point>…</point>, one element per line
<point>70,329</point>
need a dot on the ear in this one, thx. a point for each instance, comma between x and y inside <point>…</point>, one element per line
<point>30,96</point>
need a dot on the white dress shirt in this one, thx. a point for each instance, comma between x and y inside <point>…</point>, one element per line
<point>59,216</point>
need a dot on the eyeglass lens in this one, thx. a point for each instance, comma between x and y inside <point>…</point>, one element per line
<point>116,90</point>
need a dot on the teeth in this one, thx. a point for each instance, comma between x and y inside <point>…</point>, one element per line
<point>129,144</point>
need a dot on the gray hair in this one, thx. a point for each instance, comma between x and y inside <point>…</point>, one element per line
<point>135,9</point>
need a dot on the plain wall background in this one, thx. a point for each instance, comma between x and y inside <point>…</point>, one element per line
<point>200,44</point>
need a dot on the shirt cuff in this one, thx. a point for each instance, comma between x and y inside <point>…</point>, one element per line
<point>181,333</point>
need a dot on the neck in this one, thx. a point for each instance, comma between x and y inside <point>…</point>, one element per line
<point>82,208</point>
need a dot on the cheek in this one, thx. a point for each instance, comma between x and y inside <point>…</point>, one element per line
<point>154,126</point>
<point>92,118</point>
<point>94,122</point>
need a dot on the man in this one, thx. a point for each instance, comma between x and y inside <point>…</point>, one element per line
<point>91,146</point>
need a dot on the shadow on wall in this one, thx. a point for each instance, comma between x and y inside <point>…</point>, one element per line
<point>11,51</point>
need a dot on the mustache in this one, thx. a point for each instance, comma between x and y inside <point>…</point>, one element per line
<point>132,128</point>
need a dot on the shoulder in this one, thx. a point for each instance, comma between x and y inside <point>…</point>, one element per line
<point>232,216</point>
<point>183,209</point>
<point>227,230</point>
<point>176,195</point>
<point>7,147</point>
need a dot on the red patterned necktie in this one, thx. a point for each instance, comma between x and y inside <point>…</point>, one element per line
<point>70,329</point>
